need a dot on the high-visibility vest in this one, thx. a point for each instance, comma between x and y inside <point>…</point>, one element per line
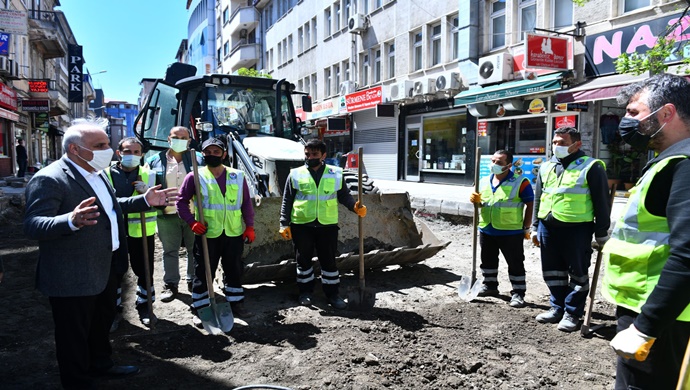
<point>313,203</point>
<point>503,209</point>
<point>638,249</point>
<point>134,219</point>
<point>222,213</point>
<point>567,197</point>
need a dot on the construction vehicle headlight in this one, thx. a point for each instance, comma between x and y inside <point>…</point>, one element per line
<point>206,127</point>
<point>225,81</point>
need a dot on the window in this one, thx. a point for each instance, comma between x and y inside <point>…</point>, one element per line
<point>313,31</point>
<point>436,44</point>
<point>300,85</point>
<point>219,56</point>
<point>270,60</point>
<point>347,11</point>
<point>391,60</point>
<point>306,85</point>
<point>226,49</point>
<point>377,65</point>
<point>631,5</point>
<point>562,13</point>
<point>377,4</point>
<point>336,72</point>
<point>327,21</point>
<point>455,40</point>
<point>307,37</point>
<point>226,15</point>
<point>327,81</point>
<point>300,40</point>
<point>346,68</point>
<point>498,24</point>
<point>417,51</point>
<point>285,51</point>
<point>364,71</point>
<point>336,15</point>
<point>527,17</point>
<point>365,6</point>
<point>315,87</point>
<point>280,53</point>
<point>290,43</point>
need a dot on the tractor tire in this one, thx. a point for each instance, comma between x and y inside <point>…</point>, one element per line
<point>368,186</point>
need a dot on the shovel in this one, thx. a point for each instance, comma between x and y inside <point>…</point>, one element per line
<point>587,330</point>
<point>363,298</point>
<point>468,289</point>
<point>217,317</point>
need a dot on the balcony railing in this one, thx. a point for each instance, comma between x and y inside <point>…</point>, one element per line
<point>47,33</point>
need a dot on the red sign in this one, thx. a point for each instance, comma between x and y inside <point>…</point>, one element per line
<point>565,121</point>
<point>299,113</point>
<point>8,97</point>
<point>481,129</point>
<point>547,52</point>
<point>363,100</point>
<point>38,85</point>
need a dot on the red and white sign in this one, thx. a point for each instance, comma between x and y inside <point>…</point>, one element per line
<point>565,121</point>
<point>8,97</point>
<point>547,52</point>
<point>363,100</point>
<point>481,128</point>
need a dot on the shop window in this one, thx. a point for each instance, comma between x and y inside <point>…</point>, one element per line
<point>444,143</point>
<point>562,13</point>
<point>631,5</point>
<point>498,24</point>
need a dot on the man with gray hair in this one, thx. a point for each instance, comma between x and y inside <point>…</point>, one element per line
<point>72,211</point>
<point>648,256</point>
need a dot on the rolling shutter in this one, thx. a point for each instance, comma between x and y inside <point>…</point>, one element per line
<point>379,139</point>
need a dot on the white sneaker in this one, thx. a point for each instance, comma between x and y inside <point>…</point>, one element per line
<point>550,317</point>
<point>569,323</point>
<point>197,321</point>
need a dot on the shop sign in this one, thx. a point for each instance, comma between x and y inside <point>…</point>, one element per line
<point>582,107</point>
<point>38,86</point>
<point>565,121</point>
<point>76,74</point>
<point>4,44</point>
<point>547,52</point>
<point>34,105</point>
<point>363,100</point>
<point>41,121</point>
<point>482,128</point>
<point>14,22</point>
<point>324,109</point>
<point>523,165</point>
<point>8,97</point>
<point>524,72</point>
<point>604,48</point>
<point>536,106</point>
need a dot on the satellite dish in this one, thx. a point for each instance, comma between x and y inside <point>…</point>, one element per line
<point>486,69</point>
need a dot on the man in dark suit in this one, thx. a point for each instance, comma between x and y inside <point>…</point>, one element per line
<point>72,211</point>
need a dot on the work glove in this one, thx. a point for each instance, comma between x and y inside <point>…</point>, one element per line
<point>631,343</point>
<point>285,232</point>
<point>140,186</point>
<point>198,227</point>
<point>599,242</point>
<point>249,235</point>
<point>535,238</point>
<point>526,233</point>
<point>476,198</point>
<point>360,209</point>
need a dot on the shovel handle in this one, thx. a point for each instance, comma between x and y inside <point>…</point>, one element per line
<point>204,243</point>
<point>475,218</point>
<point>360,220</point>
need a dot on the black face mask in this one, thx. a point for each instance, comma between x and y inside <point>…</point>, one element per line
<point>213,161</point>
<point>313,162</point>
<point>629,129</point>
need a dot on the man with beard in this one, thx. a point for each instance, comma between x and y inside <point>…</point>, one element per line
<point>648,256</point>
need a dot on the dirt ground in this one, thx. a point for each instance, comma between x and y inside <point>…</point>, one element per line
<point>420,335</point>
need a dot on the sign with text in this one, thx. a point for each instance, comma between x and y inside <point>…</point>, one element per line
<point>482,127</point>
<point>8,97</point>
<point>38,86</point>
<point>363,100</point>
<point>76,74</point>
<point>34,105</point>
<point>14,22</point>
<point>4,44</point>
<point>547,52</point>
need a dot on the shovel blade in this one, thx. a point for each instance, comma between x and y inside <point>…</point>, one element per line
<point>361,299</point>
<point>468,291</point>
<point>209,320</point>
<point>217,318</point>
<point>224,316</point>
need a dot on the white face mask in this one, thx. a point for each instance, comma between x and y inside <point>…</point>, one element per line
<point>561,151</point>
<point>178,145</point>
<point>130,160</point>
<point>101,158</point>
<point>496,169</point>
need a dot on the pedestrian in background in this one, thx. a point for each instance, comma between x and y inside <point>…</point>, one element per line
<point>72,211</point>
<point>648,257</point>
<point>229,217</point>
<point>506,203</point>
<point>171,166</point>
<point>129,178</point>
<point>571,203</point>
<point>309,216</point>
<point>22,158</point>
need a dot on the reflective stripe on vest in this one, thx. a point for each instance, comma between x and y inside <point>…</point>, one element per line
<point>638,249</point>
<point>503,209</point>
<point>134,219</point>
<point>222,213</point>
<point>313,203</point>
<point>567,197</point>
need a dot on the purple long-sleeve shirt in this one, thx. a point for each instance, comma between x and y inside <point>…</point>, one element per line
<point>188,190</point>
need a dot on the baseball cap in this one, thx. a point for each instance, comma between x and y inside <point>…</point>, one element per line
<point>214,142</point>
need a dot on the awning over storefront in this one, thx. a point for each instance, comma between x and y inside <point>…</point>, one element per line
<point>546,83</point>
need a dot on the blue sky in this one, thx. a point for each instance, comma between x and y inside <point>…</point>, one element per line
<point>131,39</point>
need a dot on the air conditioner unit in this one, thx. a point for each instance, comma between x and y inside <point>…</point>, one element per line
<point>4,65</point>
<point>401,90</point>
<point>495,68</point>
<point>347,87</point>
<point>14,70</point>
<point>357,23</point>
<point>424,87</point>
<point>450,80</point>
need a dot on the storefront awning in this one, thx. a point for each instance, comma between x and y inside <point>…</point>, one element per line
<point>546,83</point>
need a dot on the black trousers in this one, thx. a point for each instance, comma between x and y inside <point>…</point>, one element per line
<point>227,251</point>
<point>21,165</point>
<point>661,369</point>
<point>82,342</point>
<point>135,247</point>
<point>325,240</point>
<point>512,248</point>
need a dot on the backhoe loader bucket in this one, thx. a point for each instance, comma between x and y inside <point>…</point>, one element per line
<point>394,237</point>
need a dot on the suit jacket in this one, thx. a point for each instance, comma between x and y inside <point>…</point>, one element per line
<point>73,263</point>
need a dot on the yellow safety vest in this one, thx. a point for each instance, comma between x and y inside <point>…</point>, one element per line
<point>502,209</point>
<point>222,213</point>
<point>313,203</point>
<point>134,219</point>
<point>567,197</point>
<point>638,249</point>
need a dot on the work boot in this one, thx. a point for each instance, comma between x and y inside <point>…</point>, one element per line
<point>144,316</point>
<point>550,317</point>
<point>485,291</point>
<point>517,301</point>
<point>169,292</point>
<point>337,302</point>
<point>239,311</point>
<point>305,299</point>
<point>569,323</point>
<point>189,285</point>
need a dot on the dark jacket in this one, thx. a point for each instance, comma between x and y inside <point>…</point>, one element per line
<point>159,162</point>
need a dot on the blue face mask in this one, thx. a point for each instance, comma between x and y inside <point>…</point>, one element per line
<point>496,169</point>
<point>130,160</point>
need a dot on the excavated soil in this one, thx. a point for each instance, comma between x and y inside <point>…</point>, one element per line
<point>420,335</point>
